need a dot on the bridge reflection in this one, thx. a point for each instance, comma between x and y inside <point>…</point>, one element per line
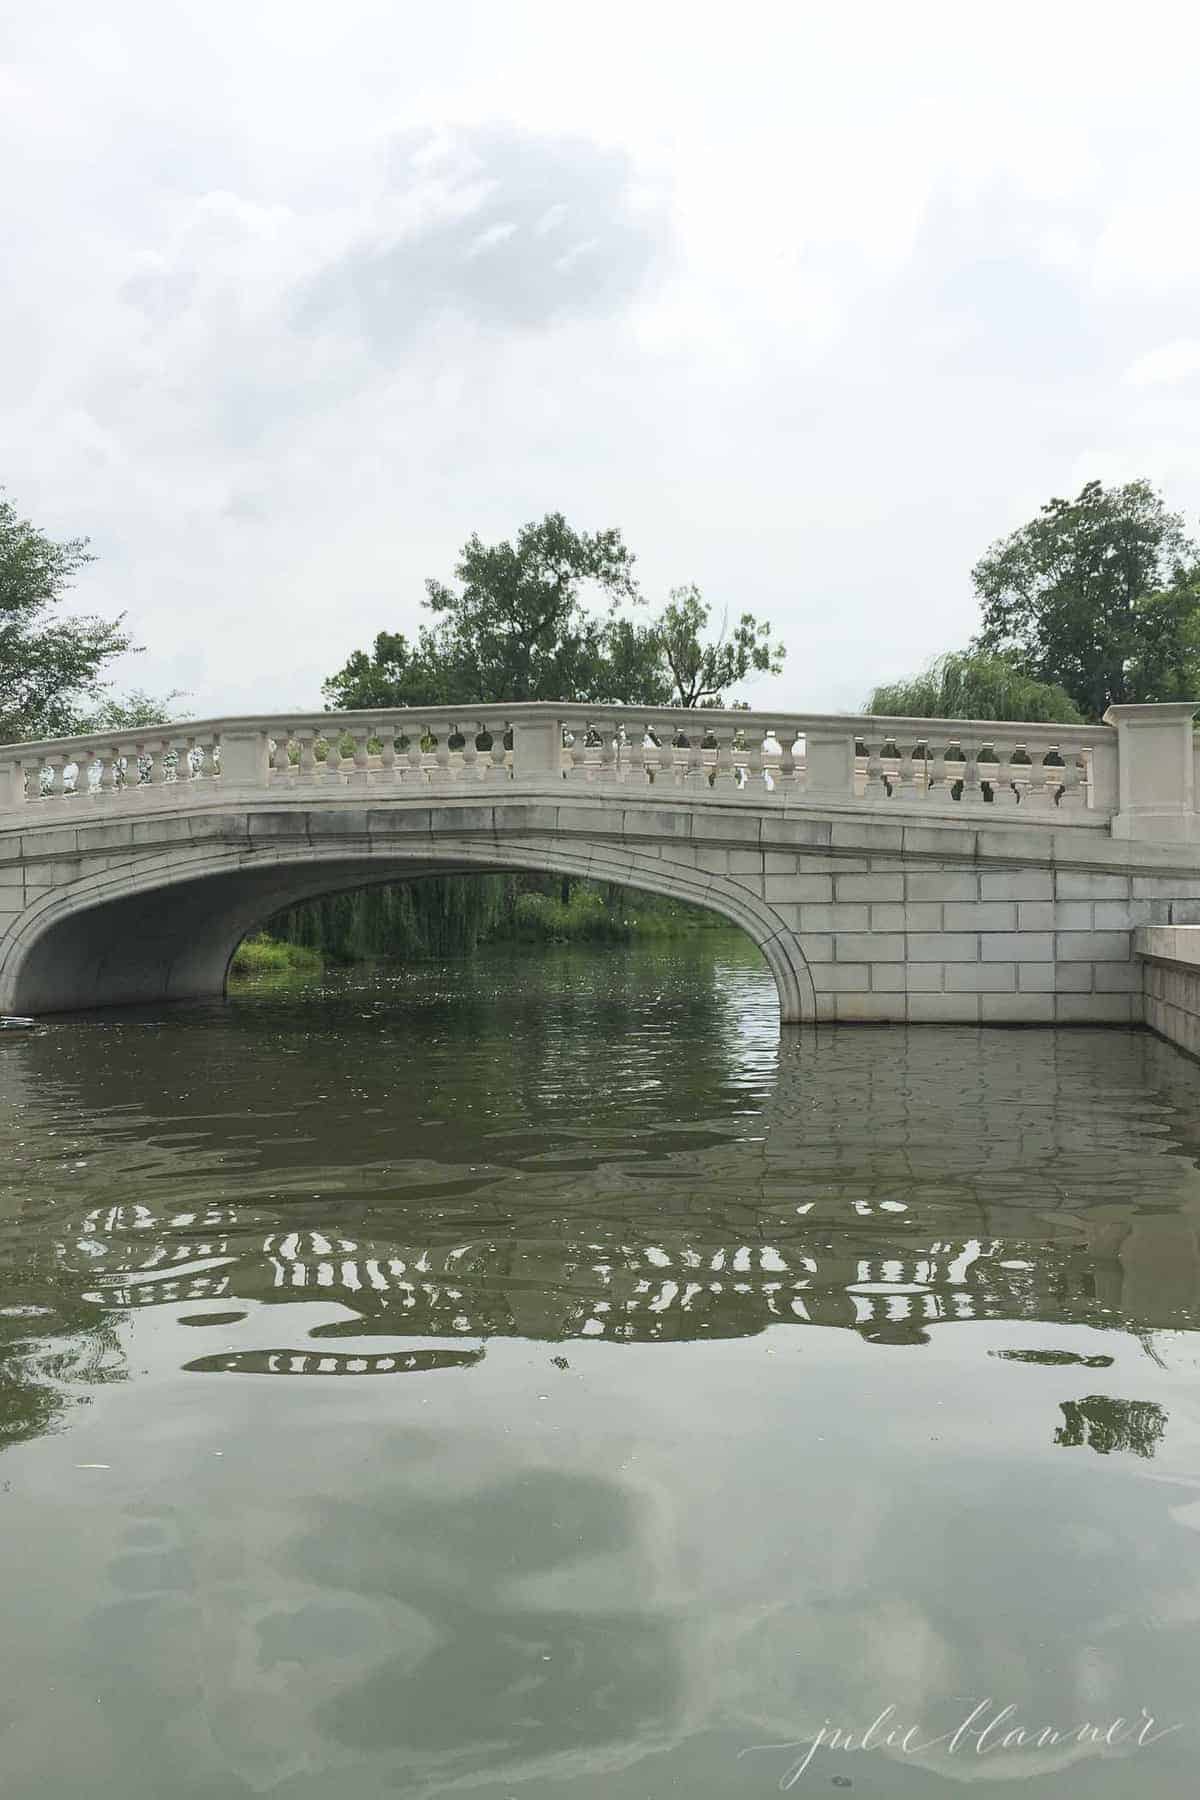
<point>682,1286</point>
<point>894,1185</point>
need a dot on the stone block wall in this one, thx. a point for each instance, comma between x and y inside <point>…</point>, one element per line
<point>1169,957</point>
<point>972,944</point>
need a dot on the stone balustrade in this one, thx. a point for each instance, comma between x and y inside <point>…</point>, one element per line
<point>1061,774</point>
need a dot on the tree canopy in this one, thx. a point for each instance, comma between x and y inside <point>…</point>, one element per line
<point>47,665</point>
<point>974,684</point>
<point>50,667</point>
<point>542,619</point>
<point>700,672</point>
<point>1100,595</point>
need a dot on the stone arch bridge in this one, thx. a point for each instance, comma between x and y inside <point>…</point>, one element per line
<point>889,869</point>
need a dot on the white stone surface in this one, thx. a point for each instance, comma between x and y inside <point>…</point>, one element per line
<point>1013,914</point>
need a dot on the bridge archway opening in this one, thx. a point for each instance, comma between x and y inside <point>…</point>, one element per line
<point>175,937</point>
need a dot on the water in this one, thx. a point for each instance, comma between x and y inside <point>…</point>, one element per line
<point>532,1377</point>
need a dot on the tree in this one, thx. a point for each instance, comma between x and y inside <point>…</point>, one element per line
<point>1076,596</point>
<point>133,709</point>
<point>395,673</point>
<point>974,684</point>
<point>699,672</point>
<point>47,665</point>
<point>519,627</point>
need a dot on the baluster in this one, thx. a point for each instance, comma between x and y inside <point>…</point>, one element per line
<point>496,733</point>
<point>108,771</point>
<point>972,792</point>
<point>1020,773</point>
<point>415,774</point>
<point>608,752</point>
<point>636,759</point>
<point>387,753</point>
<point>307,766</point>
<point>361,761</point>
<point>470,755</point>
<point>441,754</point>
<point>156,773</point>
<point>919,764</point>
<point>695,773</point>
<point>54,789</point>
<point>789,774</point>
<point>91,773</point>
<point>1001,777</point>
<point>281,761</point>
<point>754,767</point>
<point>874,788</point>
<point>1044,782</point>
<point>666,756</point>
<point>904,776</point>
<point>333,759</point>
<point>1072,796</point>
<point>938,790</point>
<point>723,775</point>
<point>578,753</point>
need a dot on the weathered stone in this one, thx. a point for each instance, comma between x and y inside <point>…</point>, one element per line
<point>989,914</point>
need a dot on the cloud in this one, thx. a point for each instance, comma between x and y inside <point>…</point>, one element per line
<point>813,311</point>
<point>497,226</point>
<point>1169,363</point>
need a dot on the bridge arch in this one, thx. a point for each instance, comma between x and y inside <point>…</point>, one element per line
<point>169,930</point>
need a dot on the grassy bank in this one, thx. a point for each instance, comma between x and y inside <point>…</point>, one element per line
<point>263,955</point>
<point>592,915</point>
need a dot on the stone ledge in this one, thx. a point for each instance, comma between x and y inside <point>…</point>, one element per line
<point>1168,943</point>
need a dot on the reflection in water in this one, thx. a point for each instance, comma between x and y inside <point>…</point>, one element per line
<point>836,1304</point>
<point>1105,1424</point>
<point>520,1172</point>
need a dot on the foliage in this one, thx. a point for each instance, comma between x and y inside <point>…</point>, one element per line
<point>134,708</point>
<point>262,955</point>
<point>1096,593</point>
<point>47,665</point>
<point>520,627</point>
<point>440,916</point>
<point>450,916</point>
<point>394,673</point>
<point>974,684</point>
<point>700,672</point>
<point>517,628</point>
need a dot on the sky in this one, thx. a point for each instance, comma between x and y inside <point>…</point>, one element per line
<point>813,302</point>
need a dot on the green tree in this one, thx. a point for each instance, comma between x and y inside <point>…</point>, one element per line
<point>974,684</point>
<point>700,672</point>
<point>1076,596</point>
<point>137,707</point>
<point>517,627</point>
<point>520,627</point>
<point>393,673</point>
<point>48,665</point>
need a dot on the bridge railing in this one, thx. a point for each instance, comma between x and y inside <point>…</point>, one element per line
<point>724,754</point>
<point>1054,773</point>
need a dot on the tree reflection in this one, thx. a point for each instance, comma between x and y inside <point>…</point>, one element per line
<point>1105,1424</point>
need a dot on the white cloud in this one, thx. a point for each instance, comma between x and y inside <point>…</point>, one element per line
<point>814,305</point>
<point>1179,361</point>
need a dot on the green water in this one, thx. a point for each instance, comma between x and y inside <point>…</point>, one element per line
<point>533,1377</point>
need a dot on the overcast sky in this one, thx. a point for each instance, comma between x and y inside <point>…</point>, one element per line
<point>812,301</point>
